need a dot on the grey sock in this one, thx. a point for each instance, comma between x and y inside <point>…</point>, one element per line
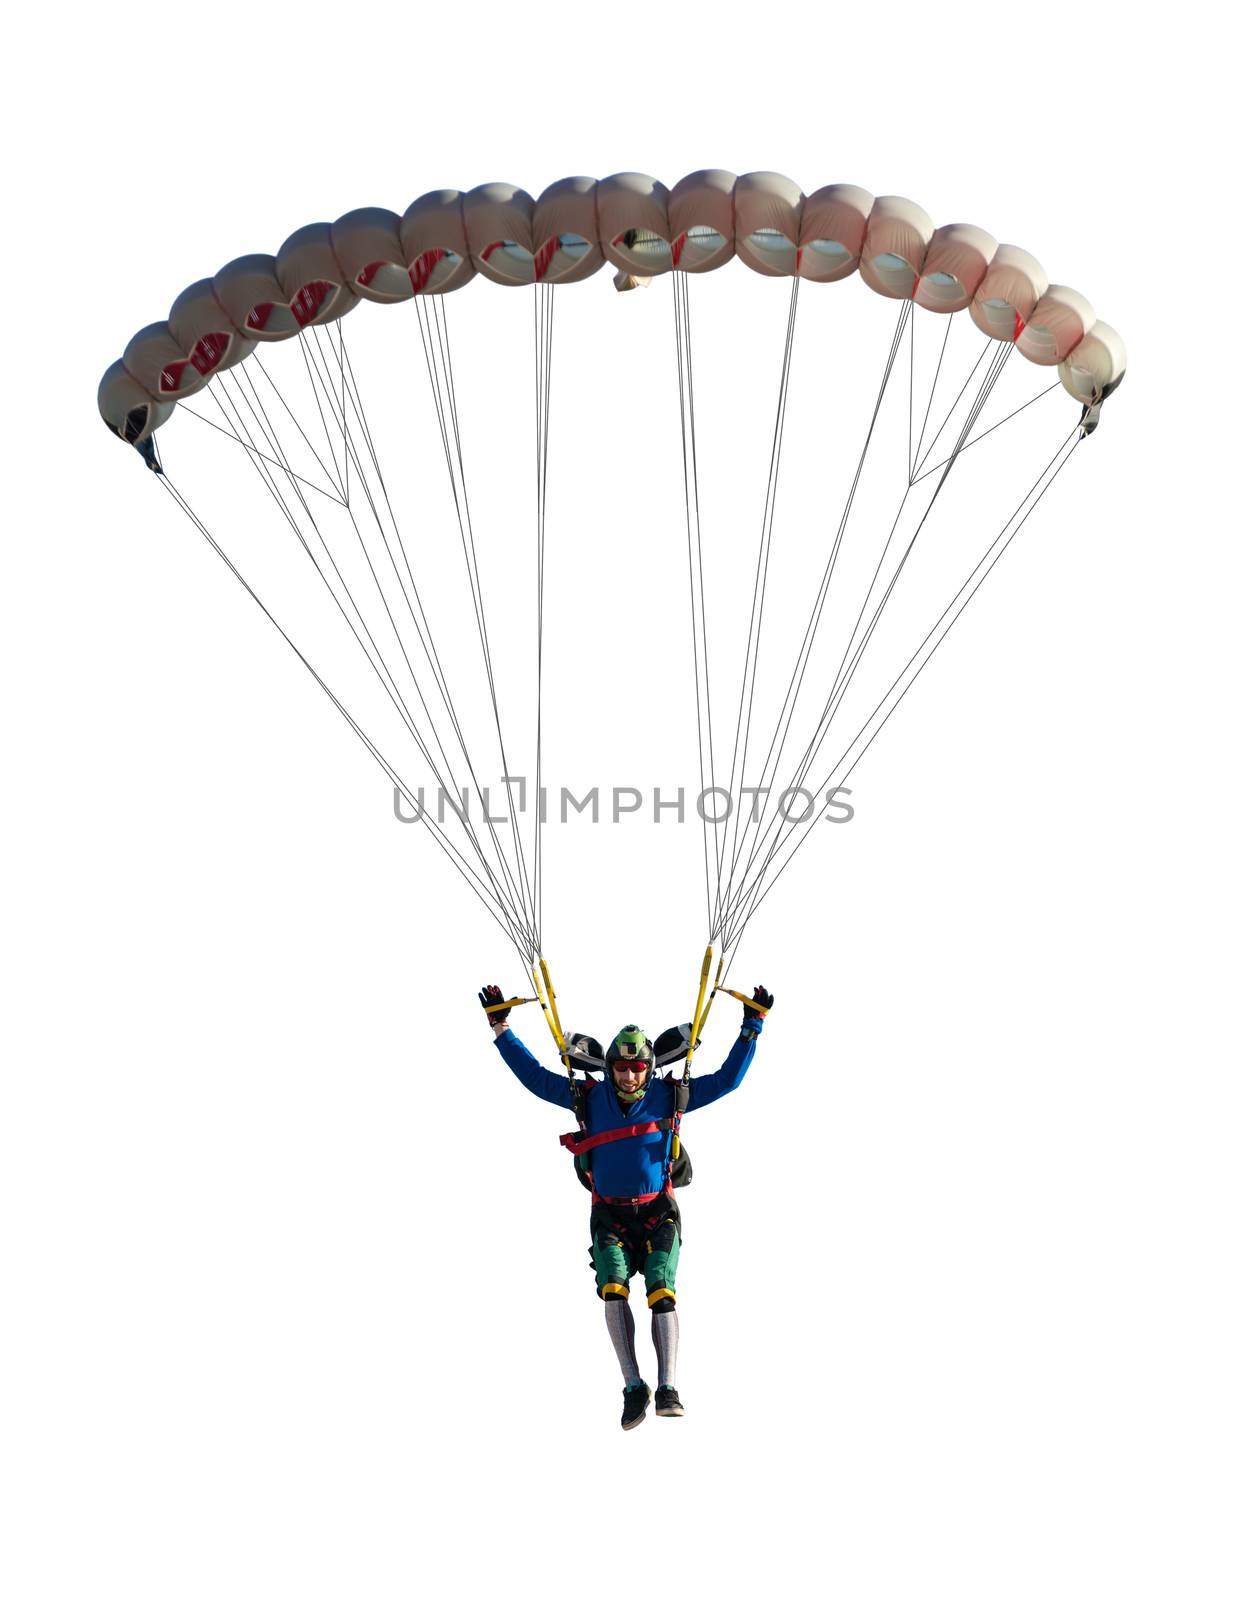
<point>620,1327</point>
<point>666,1331</point>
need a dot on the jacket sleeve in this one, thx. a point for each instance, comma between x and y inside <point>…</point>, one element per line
<point>546,1085</point>
<point>703,1090</point>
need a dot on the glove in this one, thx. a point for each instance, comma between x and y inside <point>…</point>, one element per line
<point>491,996</point>
<point>763,998</point>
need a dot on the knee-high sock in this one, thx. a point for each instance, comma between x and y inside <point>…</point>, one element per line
<point>666,1331</point>
<point>620,1327</point>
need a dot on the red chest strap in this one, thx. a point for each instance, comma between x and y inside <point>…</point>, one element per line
<point>633,1130</point>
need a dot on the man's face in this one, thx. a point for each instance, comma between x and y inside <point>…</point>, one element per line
<point>629,1075</point>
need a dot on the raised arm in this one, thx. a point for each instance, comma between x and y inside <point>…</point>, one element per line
<point>703,1090</point>
<point>550,1086</point>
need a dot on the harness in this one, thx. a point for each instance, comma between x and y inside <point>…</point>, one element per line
<point>677,1168</point>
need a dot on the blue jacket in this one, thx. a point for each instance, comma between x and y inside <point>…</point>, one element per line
<point>629,1167</point>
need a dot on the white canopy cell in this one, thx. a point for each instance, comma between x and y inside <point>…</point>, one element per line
<point>768,223</point>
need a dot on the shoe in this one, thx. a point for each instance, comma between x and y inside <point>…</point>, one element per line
<point>667,1402</point>
<point>636,1400</point>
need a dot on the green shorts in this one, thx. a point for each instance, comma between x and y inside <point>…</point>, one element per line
<point>646,1240</point>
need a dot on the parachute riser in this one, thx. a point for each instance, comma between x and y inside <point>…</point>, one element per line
<point>700,1012</point>
<point>545,990</point>
<point>710,1000</point>
<point>546,997</point>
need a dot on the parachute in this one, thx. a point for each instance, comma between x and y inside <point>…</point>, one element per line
<point>363,533</point>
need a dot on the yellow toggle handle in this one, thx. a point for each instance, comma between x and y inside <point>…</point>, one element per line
<point>507,1005</point>
<point>746,1001</point>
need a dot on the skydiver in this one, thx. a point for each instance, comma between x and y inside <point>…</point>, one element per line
<point>634,1218</point>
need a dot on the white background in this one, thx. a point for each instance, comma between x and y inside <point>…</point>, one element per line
<point>294,1282</point>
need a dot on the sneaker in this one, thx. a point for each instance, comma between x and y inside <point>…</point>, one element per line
<point>636,1399</point>
<point>667,1402</point>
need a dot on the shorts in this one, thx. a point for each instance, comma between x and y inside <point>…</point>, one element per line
<point>643,1239</point>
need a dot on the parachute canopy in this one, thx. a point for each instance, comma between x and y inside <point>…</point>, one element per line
<point>498,231</point>
<point>341,492</point>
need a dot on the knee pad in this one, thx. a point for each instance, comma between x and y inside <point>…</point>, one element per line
<point>661,1301</point>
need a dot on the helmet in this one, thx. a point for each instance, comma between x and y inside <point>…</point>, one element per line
<point>630,1044</point>
<point>631,1048</point>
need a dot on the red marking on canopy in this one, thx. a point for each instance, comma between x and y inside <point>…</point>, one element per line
<point>260,316</point>
<point>421,270</point>
<point>309,300</point>
<point>544,256</point>
<point>369,273</point>
<point>209,352</point>
<point>678,245</point>
<point>170,377</point>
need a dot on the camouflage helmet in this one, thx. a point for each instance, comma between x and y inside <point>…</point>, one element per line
<point>631,1045</point>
